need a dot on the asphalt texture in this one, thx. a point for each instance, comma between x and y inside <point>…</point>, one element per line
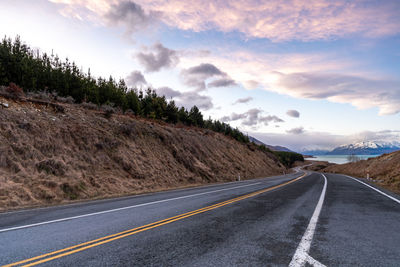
<point>357,226</point>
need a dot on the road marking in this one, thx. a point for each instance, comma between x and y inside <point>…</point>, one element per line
<point>106,239</point>
<point>301,256</point>
<point>123,208</point>
<point>377,190</point>
<point>96,201</point>
<point>314,262</point>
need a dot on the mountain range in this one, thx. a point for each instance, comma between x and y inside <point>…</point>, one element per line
<point>360,148</point>
<point>273,148</point>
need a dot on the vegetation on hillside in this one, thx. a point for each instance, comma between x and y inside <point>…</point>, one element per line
<point>34,71</point>
<point>288,158</point>
<point>285,157</point>
<point>21,66</point>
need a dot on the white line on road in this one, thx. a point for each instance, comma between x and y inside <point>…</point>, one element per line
<point>301,257</point>
<point>377,190</point>
<point>314,262</point>
<point>123,208</point>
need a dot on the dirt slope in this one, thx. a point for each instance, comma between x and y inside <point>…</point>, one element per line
<point>385,170</point>
<point>49,157</point>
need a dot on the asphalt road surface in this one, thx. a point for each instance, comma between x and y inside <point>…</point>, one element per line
<point>302,219</point>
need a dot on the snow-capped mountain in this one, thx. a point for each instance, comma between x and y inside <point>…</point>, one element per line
<point>366,148</point>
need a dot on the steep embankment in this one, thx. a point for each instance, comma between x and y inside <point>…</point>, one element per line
<point>385,170</point>
<point>51,157</point>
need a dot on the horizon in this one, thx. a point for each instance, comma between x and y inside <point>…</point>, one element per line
<point>312,75</point>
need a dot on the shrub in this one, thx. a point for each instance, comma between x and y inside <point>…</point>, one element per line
<point>51,167</point>
<point>89,105</point>
<point>107,143</point>
<point>129,112</point>
<point>68,99</point>
<point>108,110</point>
<point>72,192</point>
<point>127,129</point>
<point>42,95</point>
<point>14,91</point>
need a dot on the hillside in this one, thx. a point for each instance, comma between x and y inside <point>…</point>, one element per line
<point>53,155</point>
<point>385,170</point>
<point>273,148</point>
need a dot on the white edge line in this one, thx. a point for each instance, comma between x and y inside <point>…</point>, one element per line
<point>301,256</point>
<point>123,208</point>
<point>314,262</point>
<point>377,190</point>
<point>96,201</point>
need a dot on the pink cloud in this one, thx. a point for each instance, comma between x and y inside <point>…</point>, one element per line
<point>310,76</point>
<point>360,91</point>
<point>313,76</point>
<point>276,20</point>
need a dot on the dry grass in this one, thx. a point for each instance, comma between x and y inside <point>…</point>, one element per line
<point>317,165</point>
<point>384,170</point>
<point>49,157</point>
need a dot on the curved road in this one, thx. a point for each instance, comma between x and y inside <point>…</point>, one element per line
<point>298,219</point>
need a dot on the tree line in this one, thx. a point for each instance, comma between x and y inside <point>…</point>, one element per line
<point>35,71</point>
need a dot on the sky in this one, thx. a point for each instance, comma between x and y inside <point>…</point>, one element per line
<point>303,74</point>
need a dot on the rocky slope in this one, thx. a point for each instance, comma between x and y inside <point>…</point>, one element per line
<point>50,155</point>
<point>384,170</point>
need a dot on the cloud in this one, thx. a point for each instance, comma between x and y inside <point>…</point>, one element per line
<point>168,92</point>
<point>283,20</point>
<point>186,99</point>
<point>135,78</point>
<point>270,118</point>
<point>130,15</point>
<point>359,91</point>
<point>234,117</point>
<point>224,82</point>
<point>205,69</point>
<point>311,76</point>
<point>323,140</point>
<point>190,99</point>
<point>252,117</point>
<point>251,84</point>
<point>307,75</point>
<point>243,100</point>
<point>308,140</point>
<point>275,20</point>
<point>160,57</point>
<point>293,113</point>
<point>298,130</point>
<point>384,136</point>
<point>196,76</point>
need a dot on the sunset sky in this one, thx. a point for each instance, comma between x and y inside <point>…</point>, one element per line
<point>303,74</point>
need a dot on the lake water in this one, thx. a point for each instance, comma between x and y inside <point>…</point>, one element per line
<point>339,159</point>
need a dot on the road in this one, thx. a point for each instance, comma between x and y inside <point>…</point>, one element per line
<point>296,219</point>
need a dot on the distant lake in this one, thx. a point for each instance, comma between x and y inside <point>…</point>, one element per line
<point>339,159</point>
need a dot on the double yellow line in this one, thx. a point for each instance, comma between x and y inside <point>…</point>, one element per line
<point>106,239</point>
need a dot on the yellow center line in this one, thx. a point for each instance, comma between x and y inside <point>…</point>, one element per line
<point>106,239</point>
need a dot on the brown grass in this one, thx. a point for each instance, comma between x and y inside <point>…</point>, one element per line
<point>384,170</point>
<point>49,157</point>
